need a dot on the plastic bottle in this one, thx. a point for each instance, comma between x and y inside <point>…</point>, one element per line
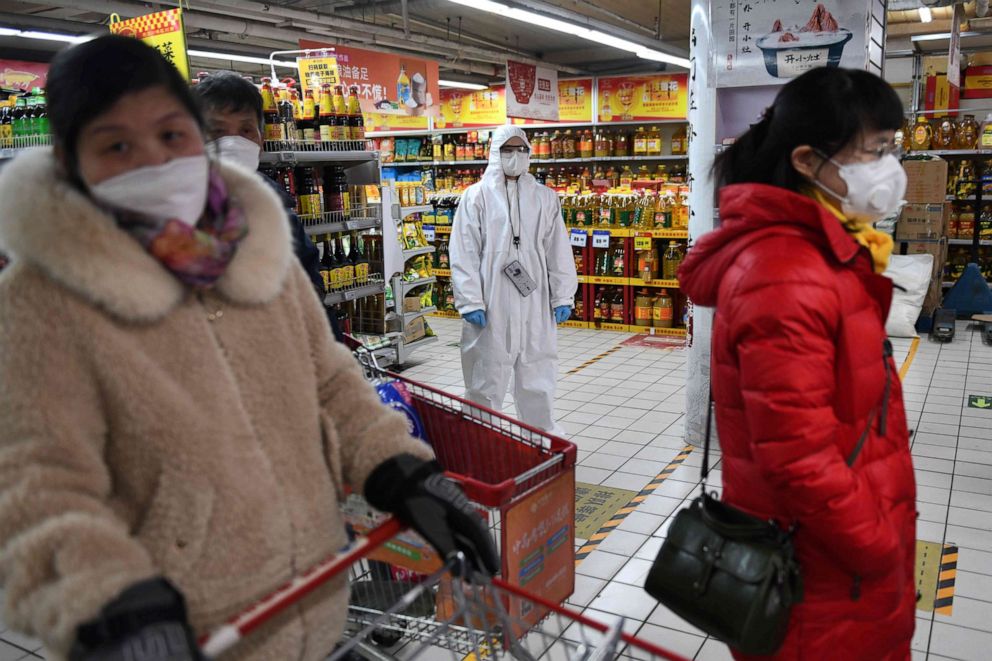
<point>922,134</point>
<point>985,142</point>
<point>663,311</point>
<point>641,142</point>
<point>673,260</point>
<point>643,308</point>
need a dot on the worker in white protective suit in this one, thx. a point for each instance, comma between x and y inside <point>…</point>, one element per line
<point>514,280</point>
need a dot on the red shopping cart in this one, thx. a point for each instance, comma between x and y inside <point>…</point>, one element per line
<point>467,620</point>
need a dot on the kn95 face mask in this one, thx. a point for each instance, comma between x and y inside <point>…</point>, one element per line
<point>514,163</point>
<point>236,149</point>
<point>176,189</point>
<point>874,190</point>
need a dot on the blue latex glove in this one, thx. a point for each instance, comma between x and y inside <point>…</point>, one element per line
<point>562,313</point>
<point>476,318</point>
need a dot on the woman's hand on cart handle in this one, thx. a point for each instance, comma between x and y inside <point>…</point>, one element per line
<point>417,492</point>
<point>147,621</point>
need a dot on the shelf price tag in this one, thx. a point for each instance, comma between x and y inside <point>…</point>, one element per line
<point>429,233</point>
<point>579,238</point>
<point>642,243</point>
<point>601,239</point>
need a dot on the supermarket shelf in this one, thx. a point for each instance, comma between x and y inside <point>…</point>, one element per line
<point>952,152</point>
<point>15,146</point>
<point>614,159</point>
<point>314,225</point>
<point>411,164</point>
<point>416,252</point>
<point>422,208</point>
<point>527,127</point>
<point>407,317</point>
<point>442,273</point>
<point>625,328</point>
<point>622,233</point>
<point>627,282</point>
<point>446,314</point>
<point>575,324</point>
<point>422,282</point>
<point>970,198</point>
<point>328,156</point>
<point>968,242</point>
<point>355,293</point>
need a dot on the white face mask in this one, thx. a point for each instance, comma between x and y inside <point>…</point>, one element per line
<point>236,149</point>
<point>515,163</point>
<point>177,189</point>
<point>874,190</point>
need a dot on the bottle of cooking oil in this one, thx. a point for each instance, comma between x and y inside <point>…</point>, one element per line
<point>663,311</point>
<point>641,142</point>
<point>673,260</point>
<point>922,134</point>
<point>654,141</point>
<point>643,308</point>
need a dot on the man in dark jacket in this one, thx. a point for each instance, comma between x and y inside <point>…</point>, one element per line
<point>232,110</point>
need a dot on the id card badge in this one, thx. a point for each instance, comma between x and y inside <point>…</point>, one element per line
<point>520,278</point>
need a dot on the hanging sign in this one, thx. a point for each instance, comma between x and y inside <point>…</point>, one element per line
<point>643,98</point>
<point>464,109</point>
<point>574,103</point>
<point>18,76</point>
<point>397,92</point>
<point>162,30</point>
<point>317,71</point>
<point>531,91</point>
<point>954,52</point>
<point>769,42</point>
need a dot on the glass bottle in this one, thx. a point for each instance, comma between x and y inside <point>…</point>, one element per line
<point>326,117</point>
<point>356,122</point>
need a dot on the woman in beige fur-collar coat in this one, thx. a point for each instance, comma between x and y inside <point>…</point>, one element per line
<point>156,429</point>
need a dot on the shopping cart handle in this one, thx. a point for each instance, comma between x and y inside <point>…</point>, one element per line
<point>226,636</point>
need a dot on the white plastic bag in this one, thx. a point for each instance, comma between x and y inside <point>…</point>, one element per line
<point>912,274</point>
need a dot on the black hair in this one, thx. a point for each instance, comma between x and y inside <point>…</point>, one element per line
<point>88,78</point>
<point>226,91</point>
<point>825,108</point>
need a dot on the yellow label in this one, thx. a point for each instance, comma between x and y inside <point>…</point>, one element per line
<point>325,133</point>
<point>362,273</point>
<point>987,137</point>
<point>642,243</point>
<point>347,275</point>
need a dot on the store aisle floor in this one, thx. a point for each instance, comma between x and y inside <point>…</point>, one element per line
<point>625,410</point>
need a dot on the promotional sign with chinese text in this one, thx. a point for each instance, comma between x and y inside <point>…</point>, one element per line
<point>769,42</point>
<point>574,103</point>
<point>643,98</point>
<point>317,71</point>
<point>162,30</point>
<point>531,91</point>
<point>19,76</point>
<point>465,109</point>
<point>397,92</point>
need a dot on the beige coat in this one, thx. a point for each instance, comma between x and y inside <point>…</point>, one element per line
<point>146,430</point>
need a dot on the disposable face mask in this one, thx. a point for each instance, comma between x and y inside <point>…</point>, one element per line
<point>515,163</point>
<point>874,190</point>
<point>177,189</point>
<point>236,149</point>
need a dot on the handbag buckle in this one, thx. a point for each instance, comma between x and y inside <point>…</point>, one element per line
<point>710,557</point>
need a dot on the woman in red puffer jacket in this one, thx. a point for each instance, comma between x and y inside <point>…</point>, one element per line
<point>801,366</point>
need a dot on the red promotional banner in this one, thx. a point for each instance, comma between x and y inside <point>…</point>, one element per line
<point>20,76</point>
<point>397,92</point>
<point>465,109</point>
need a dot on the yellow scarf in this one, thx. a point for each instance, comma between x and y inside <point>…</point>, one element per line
<point>879,244</point>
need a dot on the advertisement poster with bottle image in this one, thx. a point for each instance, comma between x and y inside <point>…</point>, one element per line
<point>162,30</point>
<point>396,92</point>
<point>574,103</point>
<point>464,109</point>
<point>770,42</point>
<point>643,98</point>
<point>532,91</point>
<point>18,76</point>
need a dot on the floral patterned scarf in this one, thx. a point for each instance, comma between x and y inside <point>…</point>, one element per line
<point>197,256</point>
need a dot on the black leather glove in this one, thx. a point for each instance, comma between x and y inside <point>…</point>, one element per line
<point>417,492</point>
<point>146,622</point>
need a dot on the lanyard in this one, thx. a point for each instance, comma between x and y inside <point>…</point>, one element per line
<point>509,208</point>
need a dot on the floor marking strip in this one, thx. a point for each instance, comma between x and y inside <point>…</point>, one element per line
<point>909,359</point>
<point>944,603</point>
<point>621,514</point>
<point>594,359</point>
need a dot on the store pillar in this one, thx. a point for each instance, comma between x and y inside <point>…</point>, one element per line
<point>702,218</point>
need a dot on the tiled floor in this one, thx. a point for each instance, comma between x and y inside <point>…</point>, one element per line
<point>625,414</point>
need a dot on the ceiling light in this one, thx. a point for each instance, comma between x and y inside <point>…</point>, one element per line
<point>462,86</point>
<point>926,16</point>
<point>573,29</point>
<point>248,59</point>
<point>44,36</point>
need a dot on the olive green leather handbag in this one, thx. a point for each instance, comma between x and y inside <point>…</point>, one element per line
<point>728,573</point>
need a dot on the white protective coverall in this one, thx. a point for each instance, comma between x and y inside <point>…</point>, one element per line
<point>521,334</point>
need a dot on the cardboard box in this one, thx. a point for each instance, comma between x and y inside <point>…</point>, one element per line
<point>927,181</point>
<point>978,82</point>
<point>415,330</point>
<point>411,304</point>
<point>939,251</point>
<point>923,221</point>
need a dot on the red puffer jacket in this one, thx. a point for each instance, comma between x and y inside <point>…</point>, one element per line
<point>801,367</point>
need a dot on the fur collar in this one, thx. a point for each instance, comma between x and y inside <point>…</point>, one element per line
<point>51,225</point>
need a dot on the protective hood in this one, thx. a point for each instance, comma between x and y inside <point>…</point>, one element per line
<point>500,136</point>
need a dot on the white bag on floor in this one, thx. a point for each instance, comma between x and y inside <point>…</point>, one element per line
<point>912,273</point>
